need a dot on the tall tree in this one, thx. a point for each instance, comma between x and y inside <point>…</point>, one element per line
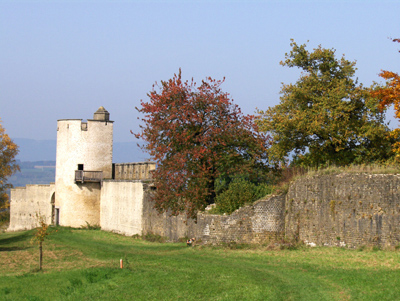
<point>196,134</point>
<point>390,95</point>
<point>326,116</point>
<point>8,166</point>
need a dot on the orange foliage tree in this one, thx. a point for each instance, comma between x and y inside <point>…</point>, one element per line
<point>8,166</point>
<point>390,95</point>
<point>197,135</point>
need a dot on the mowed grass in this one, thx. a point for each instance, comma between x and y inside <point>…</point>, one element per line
<point>84,265</point>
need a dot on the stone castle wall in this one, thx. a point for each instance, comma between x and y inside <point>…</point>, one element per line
<point>332,210</point>
<point>256,223</point>
<point>171,227</point>
<point>27,202</point>
<point>337,209</point>
<point>345,210</point>
<point>121,208</point>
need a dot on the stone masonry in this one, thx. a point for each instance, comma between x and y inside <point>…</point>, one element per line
<point>345,210</point>
<point>256,223</point>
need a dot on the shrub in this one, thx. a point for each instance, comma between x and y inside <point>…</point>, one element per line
<point>91,227</point>
<point>239,193</point>
<point>153,237</point>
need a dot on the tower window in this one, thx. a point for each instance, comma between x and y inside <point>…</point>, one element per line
<point>80,166</point>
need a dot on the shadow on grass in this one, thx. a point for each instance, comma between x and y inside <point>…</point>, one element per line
<point>8,249</point>
<point>12,243</point>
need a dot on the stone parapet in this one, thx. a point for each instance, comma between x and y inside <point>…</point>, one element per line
<point>133,171</point>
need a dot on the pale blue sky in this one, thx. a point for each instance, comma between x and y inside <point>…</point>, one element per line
<point>64,59</point>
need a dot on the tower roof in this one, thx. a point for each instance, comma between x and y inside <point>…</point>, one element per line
<point>101,114</point>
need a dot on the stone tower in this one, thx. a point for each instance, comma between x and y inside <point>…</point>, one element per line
<point>84,159</point>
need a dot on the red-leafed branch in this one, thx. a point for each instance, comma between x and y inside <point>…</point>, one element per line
<point>196,134</point>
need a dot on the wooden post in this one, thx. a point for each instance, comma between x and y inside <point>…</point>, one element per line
<point>40,256</point>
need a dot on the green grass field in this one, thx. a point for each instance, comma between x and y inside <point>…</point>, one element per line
<point>84,265</point>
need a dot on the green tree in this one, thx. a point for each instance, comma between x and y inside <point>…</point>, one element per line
<point>326,116</point>
<point>8,166</point>
<point>196,135</point>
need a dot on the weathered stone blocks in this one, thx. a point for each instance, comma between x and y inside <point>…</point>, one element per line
<point>256,223</point>
<point>345,209</point>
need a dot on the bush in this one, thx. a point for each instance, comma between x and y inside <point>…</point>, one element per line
<point>4,218</point>
<point>4,211</point>
<point>91,227</point>
<point>149,236</point>
<point>239,193</point>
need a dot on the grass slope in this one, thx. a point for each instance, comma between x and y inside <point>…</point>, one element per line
<point>84,265</point>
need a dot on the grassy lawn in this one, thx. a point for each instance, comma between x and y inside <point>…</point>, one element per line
<point>84,265</point>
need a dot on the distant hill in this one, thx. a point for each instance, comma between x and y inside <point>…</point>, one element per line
<point>36,172</point>
<point>45,150</point>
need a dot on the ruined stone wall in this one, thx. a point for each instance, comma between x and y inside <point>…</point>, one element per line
<point>28,201</point>
<point>338,209</point>
<point>171,227</point>
<point>255,223</point>
<point>133,171</point>
<point>121,206</point>
<point>345,210</point>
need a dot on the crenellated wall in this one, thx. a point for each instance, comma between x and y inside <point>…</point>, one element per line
<point>133,171</point>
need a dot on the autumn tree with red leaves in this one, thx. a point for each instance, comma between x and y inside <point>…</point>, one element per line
<point>390,95</point>
<point>197,135</point>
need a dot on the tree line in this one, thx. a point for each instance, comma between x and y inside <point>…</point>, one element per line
<point>207,151</point>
